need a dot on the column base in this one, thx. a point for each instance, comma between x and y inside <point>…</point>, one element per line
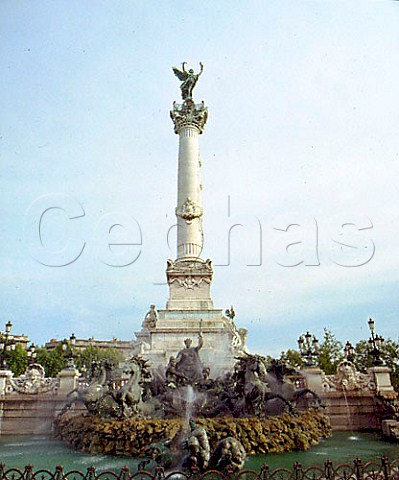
<point>189,282</point>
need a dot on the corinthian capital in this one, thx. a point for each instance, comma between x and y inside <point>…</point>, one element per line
<point>189,114</point>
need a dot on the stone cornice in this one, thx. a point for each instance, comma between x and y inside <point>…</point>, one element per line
<point>192,267</point>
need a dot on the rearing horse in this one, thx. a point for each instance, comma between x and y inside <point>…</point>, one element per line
<point>129,397</point>
<point>91,394</point>
<point>277,375</point>
<point>250,377</point>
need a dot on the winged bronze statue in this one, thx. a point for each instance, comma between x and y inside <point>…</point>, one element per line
<point>188,79</point>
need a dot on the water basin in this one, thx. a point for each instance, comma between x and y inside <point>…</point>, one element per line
<point>43,452</point>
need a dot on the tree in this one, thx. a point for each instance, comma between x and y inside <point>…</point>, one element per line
<point>84,358</point>
<point>53,361</point>
<point>363,358</point>
<point>18,360</point>
<point>389,354</point>
<point>56,359</point>
<point>292,358</point>
<point>330,353</point>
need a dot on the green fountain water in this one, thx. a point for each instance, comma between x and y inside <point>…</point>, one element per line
<point>42,452</point>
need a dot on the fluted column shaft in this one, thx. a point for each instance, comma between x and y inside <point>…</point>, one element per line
<point>189,230</point>
<point>189,120</point>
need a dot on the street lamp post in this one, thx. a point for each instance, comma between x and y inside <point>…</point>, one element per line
<point>308,348</point>
<point>32,354</point>
<point>64,346</point>
<point>6,346</point>
<point>349,351</point>
<point>71,358</point>
<point>376,342</point>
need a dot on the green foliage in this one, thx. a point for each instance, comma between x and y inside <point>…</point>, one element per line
<point>293,358</point>
<point>18,360</point>
<point>390,352</point>
<point>269,359</point>
<point>330,353</point>
<point>84,358</point>
<point>53,361</point>
<point>390,355</point>
<point>363,359</point>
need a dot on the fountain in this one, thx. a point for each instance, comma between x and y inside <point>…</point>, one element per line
<point>257,407</point>
<point>191,420</point>
<point>187,419</point>
<point>190,397</point>
<point>214,403</point>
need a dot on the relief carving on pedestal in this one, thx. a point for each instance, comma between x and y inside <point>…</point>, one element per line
<point>348,379</point>
<point>33,381</point>
<point>189,274</point>
<point>190,282</point>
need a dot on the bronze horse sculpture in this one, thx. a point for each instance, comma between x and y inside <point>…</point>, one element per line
<point>278,378</point>
<point>251,382</point>
<point>130,396</point>
<point>92,393</point>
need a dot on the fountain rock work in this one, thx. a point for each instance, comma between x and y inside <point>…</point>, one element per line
<point>189,310</point>
<point>139,437</point>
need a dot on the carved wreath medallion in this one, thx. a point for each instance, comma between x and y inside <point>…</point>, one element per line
<point>189,210</point>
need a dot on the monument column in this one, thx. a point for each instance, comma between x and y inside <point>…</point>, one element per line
<point>189,276</point>
<point>189,309</point>
<point>189,120</point>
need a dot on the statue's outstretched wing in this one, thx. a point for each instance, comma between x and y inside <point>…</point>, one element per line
<point>182,76</point>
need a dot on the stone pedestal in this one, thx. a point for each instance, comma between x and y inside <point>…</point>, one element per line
<point>314,378</point>
<point>382,379</point>
<point>390,429</point>
<point>222,340</point>
<point>5,376</point>
<point>68,378</point>
<point>189,284</point>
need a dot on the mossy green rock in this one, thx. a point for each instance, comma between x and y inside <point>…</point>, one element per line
<point>130,437</point>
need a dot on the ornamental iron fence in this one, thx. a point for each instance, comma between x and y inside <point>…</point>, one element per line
<point>384,470</point>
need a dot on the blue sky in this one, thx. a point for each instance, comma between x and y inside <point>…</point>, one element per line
<point>303,113</point>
